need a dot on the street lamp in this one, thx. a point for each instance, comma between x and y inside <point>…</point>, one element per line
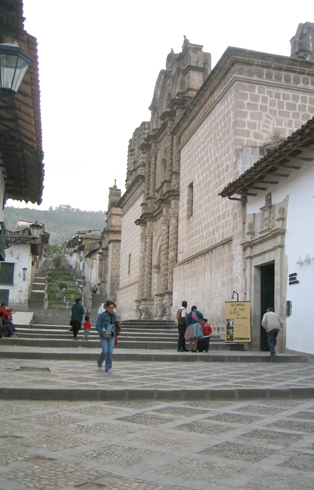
<point>14,62</point>
<point>19,237</point>
<point>36,229</point>
<point>24,273</point>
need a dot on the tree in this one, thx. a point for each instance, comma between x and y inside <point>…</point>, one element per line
<point>54,249</point>
<point>57,261</point>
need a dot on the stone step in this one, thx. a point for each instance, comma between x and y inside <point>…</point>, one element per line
<point>122,343</point>
<point>37,286</point>
<point>60,332</point>
<point>40,274</point>
<point>34,304</point>
<point>83,354</point>
<point>35,294</point>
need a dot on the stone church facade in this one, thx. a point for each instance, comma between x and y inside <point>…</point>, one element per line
<point>180,240</point>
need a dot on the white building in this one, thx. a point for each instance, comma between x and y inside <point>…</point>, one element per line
<point>279,237</point>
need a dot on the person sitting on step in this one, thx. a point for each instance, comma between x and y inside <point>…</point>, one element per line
<point>5,328</point>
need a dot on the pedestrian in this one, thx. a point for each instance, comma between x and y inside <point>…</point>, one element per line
<point>181,318</point>
<point>272,322</point>
<point>7,316</point>
<point>105,325</point>
<point>87,327</point>
<point>194,322</point>
<point>203,344</point>
<point>5,327</point>
<point>76,317</point>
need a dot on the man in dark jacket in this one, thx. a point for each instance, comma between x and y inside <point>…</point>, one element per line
<point>76,317</point>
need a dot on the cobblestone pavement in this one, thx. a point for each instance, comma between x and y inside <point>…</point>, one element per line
<point>170,376</point>
<point>155,445</point>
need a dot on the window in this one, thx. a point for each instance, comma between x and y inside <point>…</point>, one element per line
<point>4,296</point>
<point>6,273</point>
<point>190,200</point>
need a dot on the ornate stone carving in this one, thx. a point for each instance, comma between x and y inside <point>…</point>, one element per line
<point>159,307</point>
<point>145,312</point>
<point>302,44</point>
<point>140,292</point>
<point>164,254</point>
<point>267,215</point>
<point>148,265</point>
<point>250,229</point>
<point>167,307</point>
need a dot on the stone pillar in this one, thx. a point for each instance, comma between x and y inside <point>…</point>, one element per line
<point>175,180</point>
<point>104,273</point>
<point>148,261</point>
<point>173,242</point>
<point>152,179</point>
<point>164,253</point>
<point>140,291</point>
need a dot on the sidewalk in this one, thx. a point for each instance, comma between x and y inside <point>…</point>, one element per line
<point>47,379</point>
<point>155,425</point>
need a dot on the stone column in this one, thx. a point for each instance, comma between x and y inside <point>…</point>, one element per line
<point>148,261</point>
<point>148,157</point>
<point>104,273</point>
<point>164,253</point>
<point>175,180</point>
<point>140,291</point>
<point>152,177</point>
<point>173,242</point>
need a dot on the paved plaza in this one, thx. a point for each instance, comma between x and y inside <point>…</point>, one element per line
<point>154,445</point>
<point>80,380</point>
<point>157,426</point>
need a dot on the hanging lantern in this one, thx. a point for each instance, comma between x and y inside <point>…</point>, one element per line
<point>14,62</point>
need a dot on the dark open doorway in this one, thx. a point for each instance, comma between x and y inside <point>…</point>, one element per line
<point>267,296</point>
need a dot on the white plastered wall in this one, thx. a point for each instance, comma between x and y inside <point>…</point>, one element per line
<point>299,245</point>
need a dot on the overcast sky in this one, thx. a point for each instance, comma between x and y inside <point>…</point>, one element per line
<point>98,65</point>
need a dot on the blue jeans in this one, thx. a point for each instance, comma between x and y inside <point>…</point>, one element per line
<point>6,328</point>
<point>272,339</point>
<point>107,346</point>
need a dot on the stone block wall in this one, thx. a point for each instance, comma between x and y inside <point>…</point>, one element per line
<point>206,281</point>
<point>113,269</point>
<point>265,104</point>
<point>129,260</point>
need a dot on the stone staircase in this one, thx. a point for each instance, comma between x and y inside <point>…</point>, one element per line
<point>139,341</point>
<point>38,294</point>
<point>143,335</point>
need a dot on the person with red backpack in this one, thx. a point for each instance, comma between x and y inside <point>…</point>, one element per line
<point>181,318</point>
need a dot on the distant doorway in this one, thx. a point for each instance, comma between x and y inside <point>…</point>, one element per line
<point>267,297</point>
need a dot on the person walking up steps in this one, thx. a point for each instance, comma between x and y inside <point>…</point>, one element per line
<point>76,317</point>
<point>87,327</point>
<point>272,323</point>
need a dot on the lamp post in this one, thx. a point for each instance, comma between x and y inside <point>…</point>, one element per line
<point>19,238</point>
<point>24,273</point>
<point>14,62</point>
<point>36,229</point>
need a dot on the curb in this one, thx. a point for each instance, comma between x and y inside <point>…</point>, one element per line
<point>163,395</point>
<point>84,355</point>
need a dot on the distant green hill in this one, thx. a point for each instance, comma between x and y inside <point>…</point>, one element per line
<point>61,222</point>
